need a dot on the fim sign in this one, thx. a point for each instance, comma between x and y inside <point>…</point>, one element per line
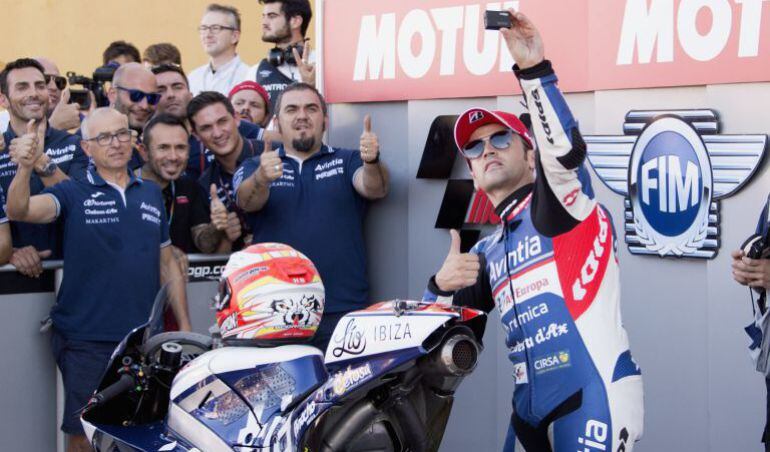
<point>673,167</point>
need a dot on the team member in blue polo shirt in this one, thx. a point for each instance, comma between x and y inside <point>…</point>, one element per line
<point>5,230</point>
<point>175,96</point>
<point>23,91</point>
<point>215,123</point>
<point>314,197</point>
<point>116,254</point>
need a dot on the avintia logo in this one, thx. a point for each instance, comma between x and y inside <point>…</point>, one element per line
<point>673,167</point>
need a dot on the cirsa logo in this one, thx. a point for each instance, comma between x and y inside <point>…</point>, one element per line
<point>673,167</point>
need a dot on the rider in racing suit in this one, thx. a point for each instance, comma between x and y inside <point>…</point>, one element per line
<point>550,268</point>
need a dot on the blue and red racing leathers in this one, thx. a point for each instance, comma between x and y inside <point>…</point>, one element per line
<point>552,271</point>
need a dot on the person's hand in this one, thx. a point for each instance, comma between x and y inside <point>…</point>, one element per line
<point>751,272</point>
<point>181,259</point>
<point>233,229</point>
<point>28,148</point>
<point>218,210</point>
<point>459,270</point>
<point>306,68</point>
<point>28,260</point>
<point>270,165</point>
<point>65,116</point>
<point>369,144</point>
<point>523,40</point>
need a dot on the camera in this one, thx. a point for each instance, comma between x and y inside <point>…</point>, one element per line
<point>95,84</point>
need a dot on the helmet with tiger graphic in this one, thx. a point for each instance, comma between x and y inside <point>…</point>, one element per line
<point>269,294</point>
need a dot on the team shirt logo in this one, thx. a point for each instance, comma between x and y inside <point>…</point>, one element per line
<point>673,167</point>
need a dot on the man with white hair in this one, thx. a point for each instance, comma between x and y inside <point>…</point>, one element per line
<point>116,252</point>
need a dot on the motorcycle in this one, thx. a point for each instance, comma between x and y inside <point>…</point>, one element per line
<point>387,383</point>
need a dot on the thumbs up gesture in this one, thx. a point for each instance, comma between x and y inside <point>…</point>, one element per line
<point>459,270</point>
<point>370,145</point>
<point>65,116</point>
<point>26,149</point>
<point>218,210</point>
<point>270,165</point>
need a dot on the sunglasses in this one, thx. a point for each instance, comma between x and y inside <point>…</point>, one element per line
<point>60,81</point>
<point>500,140</point>
<point>137,95</point>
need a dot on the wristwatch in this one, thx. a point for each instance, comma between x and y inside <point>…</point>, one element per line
<point>47,170</point>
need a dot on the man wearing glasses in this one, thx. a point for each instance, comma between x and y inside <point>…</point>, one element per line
<point>220,31</point>
<point>24,93</point>
<point>550,269</point>
<point>116,255</point>
<point>134,92</point>
<point>61,114</point>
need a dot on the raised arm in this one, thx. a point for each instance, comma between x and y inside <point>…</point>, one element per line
<point>372,180</point>
<point>21,207</point>
<point>559,202</point>
<point>253,186</point>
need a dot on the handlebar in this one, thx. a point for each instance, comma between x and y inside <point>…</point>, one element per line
<point>125,383</point>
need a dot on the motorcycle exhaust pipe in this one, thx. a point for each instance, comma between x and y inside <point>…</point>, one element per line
<point>456,356</point>
<point>356,420</point>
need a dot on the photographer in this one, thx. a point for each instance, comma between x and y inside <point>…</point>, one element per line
<point>755,273</point>
<point>285,24</point>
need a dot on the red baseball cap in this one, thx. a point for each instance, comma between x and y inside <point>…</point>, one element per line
<point>253,86</point>
<point>474,118</point>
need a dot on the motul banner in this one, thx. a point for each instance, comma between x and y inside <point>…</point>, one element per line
<point>377,51</point>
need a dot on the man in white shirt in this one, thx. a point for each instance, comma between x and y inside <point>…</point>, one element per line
<point>285,24</point>
<point>220,30</point>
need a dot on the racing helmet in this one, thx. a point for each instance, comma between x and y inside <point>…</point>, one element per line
<point>269,294</point>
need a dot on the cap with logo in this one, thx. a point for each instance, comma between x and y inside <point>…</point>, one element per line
<point>474,118</point>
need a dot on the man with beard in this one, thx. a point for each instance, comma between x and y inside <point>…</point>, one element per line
<point>214,123</point>
<point>134,92</point>
<point>165,148</point>
<point>116,252</point>
<point>314,197</point>
<point>251,102</point>
<point>24,94</point>
<point>175,95</point>
<point>284,23</point>
<point>220,31</point>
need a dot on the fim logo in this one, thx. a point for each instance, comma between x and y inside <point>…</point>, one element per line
<point>673,167</point>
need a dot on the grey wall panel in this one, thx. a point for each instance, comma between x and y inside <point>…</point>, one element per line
<point>28,376</point>
<point>386,225</point>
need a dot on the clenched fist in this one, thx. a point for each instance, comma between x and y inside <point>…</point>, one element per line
<point>459,270</point>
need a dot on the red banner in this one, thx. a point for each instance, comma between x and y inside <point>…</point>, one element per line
<point>394,50</point>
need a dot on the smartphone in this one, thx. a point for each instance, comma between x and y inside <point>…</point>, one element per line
<point>81,97</point>
<point>495,20</point>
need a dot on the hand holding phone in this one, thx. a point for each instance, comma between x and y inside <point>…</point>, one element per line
<point>495,20</point>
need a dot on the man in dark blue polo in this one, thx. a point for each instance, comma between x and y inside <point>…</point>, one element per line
<point>175,96</point>
<point>116,254</point>
<point>23,92</point>
<point>314,197</point>
<point>215,123</point>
